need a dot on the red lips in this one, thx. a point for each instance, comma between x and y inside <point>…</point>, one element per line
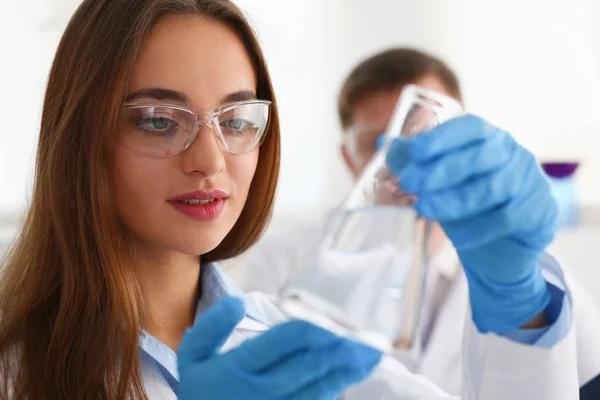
<point>200,205</point>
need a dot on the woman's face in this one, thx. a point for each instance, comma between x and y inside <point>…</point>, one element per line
<point>199,64</point>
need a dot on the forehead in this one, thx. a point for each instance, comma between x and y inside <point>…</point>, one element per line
<point>197,56</point>
<point>374,110</point>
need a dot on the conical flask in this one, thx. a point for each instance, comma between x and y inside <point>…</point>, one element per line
<point>367,277</point>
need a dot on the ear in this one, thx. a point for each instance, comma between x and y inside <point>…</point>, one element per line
<point>348,160</point>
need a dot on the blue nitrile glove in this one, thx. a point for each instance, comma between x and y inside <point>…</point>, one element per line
<point>294,360</point>
<point>494,203</point>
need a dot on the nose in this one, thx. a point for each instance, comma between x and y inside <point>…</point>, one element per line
<point>204,156</point>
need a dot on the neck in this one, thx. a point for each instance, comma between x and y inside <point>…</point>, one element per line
<point>169,284</point>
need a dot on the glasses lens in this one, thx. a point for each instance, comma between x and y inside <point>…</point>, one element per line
<point>242,127</point>
<point>157,131</point>
<point>362,143</point>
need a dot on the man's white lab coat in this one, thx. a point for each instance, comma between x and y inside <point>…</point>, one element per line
<point>442,360</point>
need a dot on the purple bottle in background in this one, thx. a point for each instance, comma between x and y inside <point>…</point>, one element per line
<point>562,181</point>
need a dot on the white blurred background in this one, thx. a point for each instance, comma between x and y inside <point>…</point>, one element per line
<point>531,67</point>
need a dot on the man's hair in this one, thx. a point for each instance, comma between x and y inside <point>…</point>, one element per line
<point>392,68</point>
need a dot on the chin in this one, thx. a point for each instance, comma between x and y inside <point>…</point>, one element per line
<point>196,248</point>
<point>195,243</point>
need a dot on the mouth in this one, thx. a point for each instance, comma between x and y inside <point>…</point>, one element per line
<point>200,205</point>
<point>197,201</point>
<point>200,197</point>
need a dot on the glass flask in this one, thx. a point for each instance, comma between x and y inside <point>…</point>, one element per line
<point>366,278</point>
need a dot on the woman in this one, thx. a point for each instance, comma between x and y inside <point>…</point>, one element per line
<point>129,201</point>
<point>150,167</point>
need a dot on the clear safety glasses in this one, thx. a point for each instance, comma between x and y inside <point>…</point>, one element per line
<point>165,130</point>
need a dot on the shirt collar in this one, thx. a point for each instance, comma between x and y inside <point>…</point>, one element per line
<point>214,285</point>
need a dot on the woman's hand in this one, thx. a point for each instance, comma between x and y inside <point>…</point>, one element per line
<point>294,360</point>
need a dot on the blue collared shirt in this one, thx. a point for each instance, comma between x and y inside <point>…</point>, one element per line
<point>159,362</point>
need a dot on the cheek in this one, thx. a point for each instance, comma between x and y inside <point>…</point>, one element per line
<point>139,186</point>
<point>366,156</point>
<point>242,169</point>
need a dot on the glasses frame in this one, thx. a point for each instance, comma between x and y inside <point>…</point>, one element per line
<point>351,140</point>
<point>211,117</point>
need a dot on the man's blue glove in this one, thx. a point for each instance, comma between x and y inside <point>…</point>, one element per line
<point>494,203</point>
<point>295,360</point>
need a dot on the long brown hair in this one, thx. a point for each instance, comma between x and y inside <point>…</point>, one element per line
<point>70,309</point>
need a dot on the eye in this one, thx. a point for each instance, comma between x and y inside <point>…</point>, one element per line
<point>237,124</point>
<point>157,125</point>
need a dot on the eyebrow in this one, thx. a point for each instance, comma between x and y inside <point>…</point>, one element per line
<point>180,97</point>
<point>241,95</point>
<point>158,94</point>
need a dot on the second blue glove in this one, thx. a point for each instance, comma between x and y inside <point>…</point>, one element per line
<point>495,204</point>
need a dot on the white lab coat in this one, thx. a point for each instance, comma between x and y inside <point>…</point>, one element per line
<point>494,368</point>
<point>444,360</point>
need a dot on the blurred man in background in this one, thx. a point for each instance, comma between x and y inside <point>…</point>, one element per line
<point>365,106</point>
